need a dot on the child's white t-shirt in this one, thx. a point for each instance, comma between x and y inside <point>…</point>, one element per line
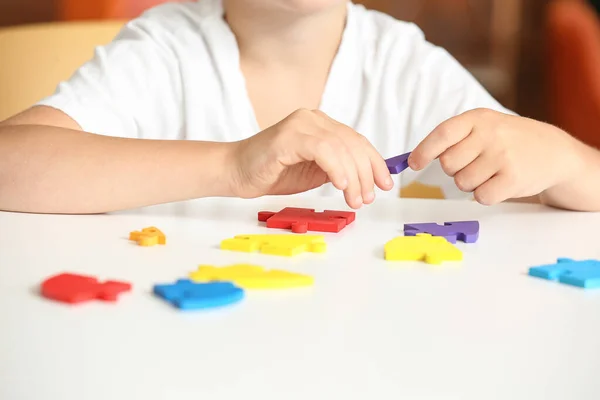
<point>174,73</point>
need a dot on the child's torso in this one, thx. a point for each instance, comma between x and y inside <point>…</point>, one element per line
<point>175,73</point>
<point>217,99</point>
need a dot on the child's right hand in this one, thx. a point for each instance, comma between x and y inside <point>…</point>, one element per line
<point>304,151</point>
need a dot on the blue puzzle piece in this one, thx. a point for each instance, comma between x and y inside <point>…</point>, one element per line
<point>585,273</point>
<point>188,295</point>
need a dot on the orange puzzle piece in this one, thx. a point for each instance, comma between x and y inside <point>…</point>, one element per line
<point>148,237</point>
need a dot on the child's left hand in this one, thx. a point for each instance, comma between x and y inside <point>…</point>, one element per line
<point>499,156</point>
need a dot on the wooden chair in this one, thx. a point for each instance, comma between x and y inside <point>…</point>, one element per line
<point>42,55</point>
<point>573,68</point>
<point>74,10</point>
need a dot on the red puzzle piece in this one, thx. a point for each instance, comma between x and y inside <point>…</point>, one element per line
<point>301,220</point>
<point>73,288</point>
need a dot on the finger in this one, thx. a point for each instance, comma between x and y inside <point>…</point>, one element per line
<point>495,190</point>
<point>376,172</point>
<point>312,148</point>
<point>364,169</point>
<point>380,172</point>
<point>353,193</point>
<point>314,141</point>
<point>444,136</point>
<point>461,154</point>
<point>476,173</point>
<point>333,157</point>
<point>359,161</point>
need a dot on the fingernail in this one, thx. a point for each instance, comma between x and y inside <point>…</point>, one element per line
<point>389,182</point>
<point>370,196</point>
<point>359,200</point>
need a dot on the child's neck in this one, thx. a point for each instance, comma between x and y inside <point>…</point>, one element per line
<point>285,37</point>
<point>285,56</point>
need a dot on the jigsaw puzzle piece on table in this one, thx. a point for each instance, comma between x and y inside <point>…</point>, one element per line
<point>249,276</point>
<point>302,220</point>
<point>465,231</point>
<point>150,236</point>
<point>421,247</point>
<point>280,245</point>
<point>584,273</point>
<point>397,164</point>
<point>187,295</point>
<point>209,273</point>
<point>74,288</point>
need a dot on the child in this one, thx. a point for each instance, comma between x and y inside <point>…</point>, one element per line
<point>261,97</point>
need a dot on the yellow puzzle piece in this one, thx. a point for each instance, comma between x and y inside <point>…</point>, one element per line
<point>280,245</point>
<point>422,247</point>
<point>148,237</point>
<point>251,277</point>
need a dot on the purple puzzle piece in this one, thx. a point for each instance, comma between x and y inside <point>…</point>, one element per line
<point>397,164</point>
<point>465,231</point>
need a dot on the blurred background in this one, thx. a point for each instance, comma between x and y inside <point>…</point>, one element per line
<point>540,58</point>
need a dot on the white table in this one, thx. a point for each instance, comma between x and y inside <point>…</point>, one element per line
<point>368,328</point>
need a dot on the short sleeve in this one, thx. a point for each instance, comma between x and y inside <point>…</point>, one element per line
<point>130,88</point>
<point>443,89</point>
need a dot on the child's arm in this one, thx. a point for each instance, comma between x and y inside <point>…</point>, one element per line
<point>48,165</point>
<point>582,193</point>
<point>500,157</point>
